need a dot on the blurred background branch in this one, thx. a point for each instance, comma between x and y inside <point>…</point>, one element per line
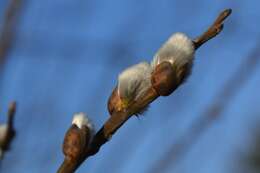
<point>251,160</point>
<point>8,27</point>
<point>7,34</point>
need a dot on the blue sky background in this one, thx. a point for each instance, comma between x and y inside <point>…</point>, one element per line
<point>67,55</point>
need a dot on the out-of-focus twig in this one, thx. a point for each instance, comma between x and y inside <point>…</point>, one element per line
<point>8,27</point>
<point>118,118</point>
<point>223,98</point>
<point>7,130</point>
<point>251,160</point>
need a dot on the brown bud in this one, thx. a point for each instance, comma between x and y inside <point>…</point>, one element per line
<point>114,103</point>
<point>75,142</point>
<point>164,79</point>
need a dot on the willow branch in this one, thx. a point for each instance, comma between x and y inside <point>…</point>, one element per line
<point>119,118</point>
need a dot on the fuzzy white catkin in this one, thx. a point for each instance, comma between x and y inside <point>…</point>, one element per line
<point>177,50</point>
<point>134,81</point>
<point>80,119</point>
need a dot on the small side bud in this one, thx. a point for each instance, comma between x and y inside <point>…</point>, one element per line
<point>78,137</point>
<point>74,143</point>
<point>164,79</point>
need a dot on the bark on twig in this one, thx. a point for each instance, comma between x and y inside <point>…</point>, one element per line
<point>119,118</point>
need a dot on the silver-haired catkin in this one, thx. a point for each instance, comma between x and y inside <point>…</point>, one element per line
<point>172,64</point>
<point>178,50</point>
<point>134,82</point>
<point>78,137</point>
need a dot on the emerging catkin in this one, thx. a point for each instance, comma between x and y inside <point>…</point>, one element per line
<point>134,82</point>
<point>179,51</point>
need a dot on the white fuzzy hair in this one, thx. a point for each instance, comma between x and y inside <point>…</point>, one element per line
<point>3,131</point>
<point>178,50</point>
<point>80,119</point>
<point>134,81</point>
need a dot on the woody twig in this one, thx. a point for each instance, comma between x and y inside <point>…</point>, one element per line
<point>140,85</point>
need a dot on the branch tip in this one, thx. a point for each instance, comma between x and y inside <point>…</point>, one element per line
<point>213,30</point>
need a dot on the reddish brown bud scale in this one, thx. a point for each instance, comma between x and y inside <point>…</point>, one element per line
<point>75,142</point>
<point>164,79</point>
<point>114,103</point>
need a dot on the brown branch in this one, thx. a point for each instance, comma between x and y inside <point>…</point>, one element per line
<point>213,30</point>
<point>119,118</point>
<point>8,28</point>
<point>10,132</point>
<point>107,131</point>
<point>222,100</point>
